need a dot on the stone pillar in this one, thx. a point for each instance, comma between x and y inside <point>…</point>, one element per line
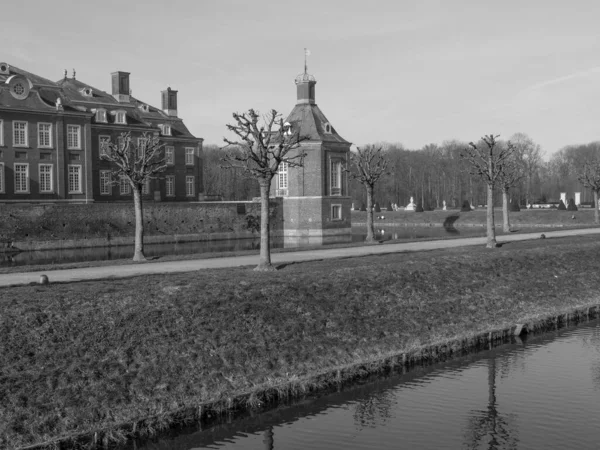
<point>563,197</point>
<point>577,198</point>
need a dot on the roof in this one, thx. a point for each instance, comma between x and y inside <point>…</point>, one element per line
<point>312,123</point>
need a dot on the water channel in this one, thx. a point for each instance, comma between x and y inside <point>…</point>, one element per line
<point>541,392</point>
<point>229,245</point>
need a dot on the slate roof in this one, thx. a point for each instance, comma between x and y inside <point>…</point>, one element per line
<point>69,90</point>
<point>312,124</point>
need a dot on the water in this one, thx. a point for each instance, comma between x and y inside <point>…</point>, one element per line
<point>227,245</point>
<point>539,393</point>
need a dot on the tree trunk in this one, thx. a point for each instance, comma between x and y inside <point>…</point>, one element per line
<point>264,263</point>
<point>370,226</point>
<point>506,221</point>
<point>138,253</point>
<point>491,232</point>
<point>596,215</point>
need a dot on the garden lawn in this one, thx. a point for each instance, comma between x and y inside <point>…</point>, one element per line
<point>79,357</point>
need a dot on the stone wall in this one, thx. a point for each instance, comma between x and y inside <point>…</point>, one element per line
<point>114,223</point>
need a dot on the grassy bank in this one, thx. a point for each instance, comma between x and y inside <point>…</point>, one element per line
<point>86,356</point>
<point>524,218</point>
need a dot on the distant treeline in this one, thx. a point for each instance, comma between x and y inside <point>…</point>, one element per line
<point>436,173</point>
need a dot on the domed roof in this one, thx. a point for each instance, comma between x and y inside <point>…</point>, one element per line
<point>304,78</point>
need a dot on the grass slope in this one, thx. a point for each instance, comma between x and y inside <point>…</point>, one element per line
<point>84,356</point>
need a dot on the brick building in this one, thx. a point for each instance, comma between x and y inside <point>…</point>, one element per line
<point>316,202</point>
<point>51,136</point>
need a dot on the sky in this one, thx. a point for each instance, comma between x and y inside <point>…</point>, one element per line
<point>410,72</point>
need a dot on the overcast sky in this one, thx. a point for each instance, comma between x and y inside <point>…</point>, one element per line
<point>413,72</point>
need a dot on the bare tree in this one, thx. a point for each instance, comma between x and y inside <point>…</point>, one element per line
<point>590,177</point>
<point>487,162</point>
<point>367,166</point>
<point>530,156</point>
<point>259,151</point>
<point>510,175</point>
<point>137,162</point>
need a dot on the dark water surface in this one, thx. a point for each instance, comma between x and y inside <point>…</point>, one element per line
<point>537,393</point>
<point>229,245</point>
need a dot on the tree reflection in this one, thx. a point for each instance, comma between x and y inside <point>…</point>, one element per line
<point>499,429</point>
<point>268,439</point>
<point>374,410</point>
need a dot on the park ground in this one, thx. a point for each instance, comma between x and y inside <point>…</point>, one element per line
<point>86,357</point>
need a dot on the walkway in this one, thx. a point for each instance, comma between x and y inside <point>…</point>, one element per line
<point>96,273</point>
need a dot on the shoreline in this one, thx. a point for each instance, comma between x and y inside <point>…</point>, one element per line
<point>322,382</point>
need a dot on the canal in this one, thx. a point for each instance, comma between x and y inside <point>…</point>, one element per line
<point>215,246</point>
<point>539,392</point>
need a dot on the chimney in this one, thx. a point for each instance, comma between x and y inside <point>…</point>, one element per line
<point>169,102</point>
<point>120,86</point>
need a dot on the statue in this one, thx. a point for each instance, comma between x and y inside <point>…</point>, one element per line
<point>411,206</point>
<point>444,205</point>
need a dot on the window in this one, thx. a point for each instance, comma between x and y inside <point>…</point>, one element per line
<point>2,178</point>
<point>141,146</point>
<point>22,178</point>
<point>1,132</point>
<point>166,130</point>
<point>45,135</point>
<point>20,134</point>
<point>124,186</point>
<point>336,178</point>
<point>105,182</point>
<point>189,186</point>
<point>170,185</point>
<point>282,180</point>
<point>189,156</point>
<point>120,117</point>
<point>170,155</point>
<point>146,187</point>
<point>101,116</point>
<point>104,140</point>
<point>73,137</point>
<point>46,184</point>
<point>336,212</point>
<point>74,179</point>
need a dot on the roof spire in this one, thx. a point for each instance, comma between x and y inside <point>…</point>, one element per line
<point>73,73</point>
<point>306,53</point>
<point>65,74</point>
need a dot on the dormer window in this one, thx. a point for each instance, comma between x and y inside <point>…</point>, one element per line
<point>165,130</point>
<point>145,108</point>
<point>4,69</point>
<point>101,116</point>
<point>87,92</point>
<point>327,127</point>
<point>120,117</point>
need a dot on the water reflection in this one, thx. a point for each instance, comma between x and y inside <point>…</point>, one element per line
<point>542,392</point>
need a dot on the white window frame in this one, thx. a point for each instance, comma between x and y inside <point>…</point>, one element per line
<point>18,179</point>
<point>146,187</point>
<point>101,116</point>
<point>49,135</point>
<point>74,169</point>
<point>190,156</point>
<point>25,135</point>
<point>2,190</point>
<point>282,179</point>
<point>48,170</point>
<point>170,185</point>
<point>166,130</point>
<point>124,186</point>
<point>335,177</point>
<point>121,117</point>
<point>190,188</point>
<point>170,155</point>
<point>1,132</point>
<point>73,132</point>
<point>101,150</point>
<point>105,182</point>
<point>336,207</point>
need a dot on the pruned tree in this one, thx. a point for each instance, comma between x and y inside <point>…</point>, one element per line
<point>590,177</point>
<point>487,162</point>
<point>135,162</point>
<point>260,148</point>
<point>367,166</point>
<point>510,175</point>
